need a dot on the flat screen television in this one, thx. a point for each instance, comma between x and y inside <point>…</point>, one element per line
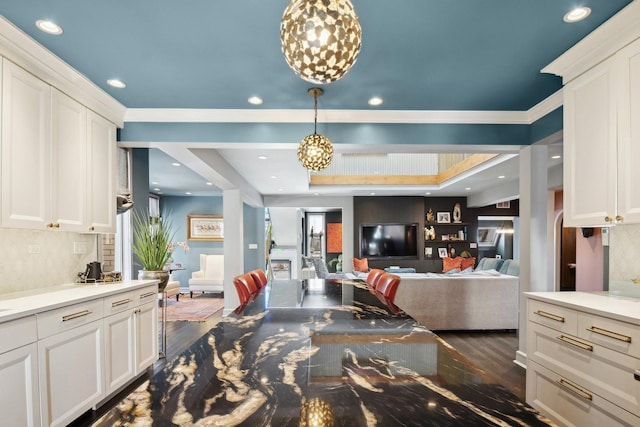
<point>389,241</point>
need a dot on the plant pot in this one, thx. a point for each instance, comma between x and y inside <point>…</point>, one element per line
<point>161,275</point>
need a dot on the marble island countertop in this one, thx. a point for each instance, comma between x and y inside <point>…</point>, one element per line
<point>322,347</point>
<point>21,304</point>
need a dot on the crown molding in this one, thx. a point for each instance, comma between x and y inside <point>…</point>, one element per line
<point>19,48</point>
<point>616,33</point>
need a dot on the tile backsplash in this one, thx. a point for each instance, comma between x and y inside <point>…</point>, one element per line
<point>624,252</point>
<point>33,259</point>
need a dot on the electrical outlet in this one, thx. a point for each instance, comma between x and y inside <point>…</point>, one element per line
<point>79,248</point>
<point>253,246</point>
<point>33,249</point>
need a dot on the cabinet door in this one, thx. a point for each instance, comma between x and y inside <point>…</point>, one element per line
<point>590,148</point>
<point>26,142</point>
<point>68,163</point>
<point>20,400</point>
<point>71,373</point>
<point>119,344</point>
<point>146,335</point>
<point>102,173</point>
<point>629,135</point>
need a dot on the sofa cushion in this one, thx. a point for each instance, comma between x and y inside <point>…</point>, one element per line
<point>320,267</point>
<point>490,264</point>
<point>510,267</point>
<point>361,265</point>
<point>449,264</point>
<point>466,263</point>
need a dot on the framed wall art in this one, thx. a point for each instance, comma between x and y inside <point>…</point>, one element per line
<point>205,228</point>
<point>444,217</point>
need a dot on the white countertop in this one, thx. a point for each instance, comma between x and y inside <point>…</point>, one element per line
<point>608,304</point>
<point>16,305</point>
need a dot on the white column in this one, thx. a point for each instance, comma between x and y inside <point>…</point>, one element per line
<point>534,241</point>
<point>233,246</point>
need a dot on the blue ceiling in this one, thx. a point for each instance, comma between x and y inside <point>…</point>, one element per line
<point>416,54</point>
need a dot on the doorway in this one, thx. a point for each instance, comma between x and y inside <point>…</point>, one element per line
<point>567,264</point>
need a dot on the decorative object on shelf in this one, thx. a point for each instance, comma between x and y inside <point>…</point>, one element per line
<point>428,251</point>
<point>315,151</point>
<point>457,213</point>
<point>442,252</point>
<point>430,217</point>
<point>205,228</point>
<point>320,39</point>
<point>151,243</point>
<point>336,263</point>
<point>444,218</point>
<point>451,251</point>
<point>429,233</point>
<point>445,237</point>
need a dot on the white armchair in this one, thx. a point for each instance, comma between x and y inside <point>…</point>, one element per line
<point>210,277</point>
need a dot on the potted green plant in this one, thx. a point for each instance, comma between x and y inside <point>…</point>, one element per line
<point>152,245</point>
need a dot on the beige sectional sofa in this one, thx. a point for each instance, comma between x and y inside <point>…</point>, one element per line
<point>481,300</point>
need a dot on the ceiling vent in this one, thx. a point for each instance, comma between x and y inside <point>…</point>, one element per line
<point>504,205</point>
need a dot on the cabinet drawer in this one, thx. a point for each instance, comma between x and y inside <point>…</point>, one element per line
<point>614,334</point>
<point>554,316</point>
<point>569,404</point>
<point>146,294</point>
<point>120,302</point>
<point>65,318</point>
<point>602,371</point>
<point>17,333</point>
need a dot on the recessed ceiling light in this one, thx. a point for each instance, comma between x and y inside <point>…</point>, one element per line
<point>255,100</point>
<point>316,194</point>
<point>468,188</point>
<point>375,101</point>
<point>154,182</point>
<point>262,157</point>
<point>373,194</point>
<point>280,189</point>
<point>557,156</point>
<point>118,84</point>
<point>49,27</point>
<point>209,183</point>
<point>188,193</point>
<point>428,193</point>
<point>501,177</point>
<point>156,189</point>
<point>577,14</point>
<point>175,164</point>
<point>274,177</point>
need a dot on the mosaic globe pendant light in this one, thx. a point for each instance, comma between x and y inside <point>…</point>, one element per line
<point>320,38</point>
<point>315,152</point>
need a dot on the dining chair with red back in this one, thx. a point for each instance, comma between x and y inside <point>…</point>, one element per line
<point>373,277</point>
<point>241,289</point>
<point>259,278</point>
<point>386,287</point>
<point>247,280</point>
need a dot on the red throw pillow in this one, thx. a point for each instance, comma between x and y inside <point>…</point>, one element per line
<point>361,265</point>
<point>467,262</point>
<point>449,264</point>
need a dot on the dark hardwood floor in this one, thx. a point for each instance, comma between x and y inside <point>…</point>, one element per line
<point>491,352</point>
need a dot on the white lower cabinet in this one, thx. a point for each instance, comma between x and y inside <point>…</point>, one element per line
<point>579,377</point>
<point>71,373</point>
<point>131,333</point>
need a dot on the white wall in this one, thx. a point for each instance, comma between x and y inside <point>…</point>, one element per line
<point>284,223</point>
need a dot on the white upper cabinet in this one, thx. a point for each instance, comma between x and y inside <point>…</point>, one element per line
<point>602,143</point>
<point>68,163</point>
<point>26,146</point>
<point>58,159</point>
<point>102,173</point>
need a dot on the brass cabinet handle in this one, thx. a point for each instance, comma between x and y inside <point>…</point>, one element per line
<point>608,219</point>
<point>575,389</point>
<point>610,334</point>
<point>619,218</point>
<point>137,311</point>
<point>75,315</point>
<point>92,228</point>
<point>575,342</point>
<point>121,302</point>
<point>50,225</point>
<point>550,316</point>
<point>56,225</point>
<point>148,294</point>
